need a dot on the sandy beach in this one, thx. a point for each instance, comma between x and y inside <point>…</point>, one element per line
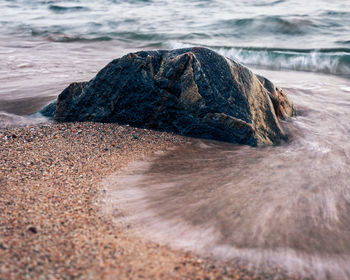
<point>51,226</point>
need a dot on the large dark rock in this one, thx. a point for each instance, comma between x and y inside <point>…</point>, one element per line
<point>194,92</point>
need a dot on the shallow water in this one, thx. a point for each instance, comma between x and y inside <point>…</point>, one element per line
<point>286,206</point>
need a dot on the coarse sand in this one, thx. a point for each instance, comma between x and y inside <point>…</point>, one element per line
<point>51,226</point>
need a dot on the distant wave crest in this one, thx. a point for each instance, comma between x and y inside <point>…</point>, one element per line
<point>267,25</point>
<point>334,61</point>
<point>64,9</point>
<point>331,61</point>
<point>68,38</point>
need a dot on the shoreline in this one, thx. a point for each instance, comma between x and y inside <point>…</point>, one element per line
<point>51,223</point>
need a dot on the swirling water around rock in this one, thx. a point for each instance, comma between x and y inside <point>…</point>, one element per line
<point>286,206</point>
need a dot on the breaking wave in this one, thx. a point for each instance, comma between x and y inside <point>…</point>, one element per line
<point>334,61</point>
<point>331,61</point>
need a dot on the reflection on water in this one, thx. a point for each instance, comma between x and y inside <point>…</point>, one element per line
<point>287,206</point>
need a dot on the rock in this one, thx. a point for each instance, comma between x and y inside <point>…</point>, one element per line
<point>282,105</point>
<point>33,230</point>
<point>49,110</point>
<point>194,92</point>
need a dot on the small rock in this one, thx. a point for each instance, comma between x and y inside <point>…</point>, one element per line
<point>33,229</point>
<point>135,137</point>
<point>2,247</point>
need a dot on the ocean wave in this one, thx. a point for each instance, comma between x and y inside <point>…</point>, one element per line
<point>64,9</point>
<point>62,38</point>
<point>334,61</point>
<point>344,42</point>
<point>267,3</point>
<point>125,36</point>
<point>268,24</point>
<point>335,13</point>
<point>69,38</point>
<point>330,61</point>
<point>265,23</point>
<point>130,1</point>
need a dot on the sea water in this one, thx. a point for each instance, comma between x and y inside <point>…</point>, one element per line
<point>285,207</point>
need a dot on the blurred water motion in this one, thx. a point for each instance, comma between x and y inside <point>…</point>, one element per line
<point>286,206</point>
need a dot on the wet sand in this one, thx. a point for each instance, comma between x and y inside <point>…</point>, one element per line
<point>51,223</point>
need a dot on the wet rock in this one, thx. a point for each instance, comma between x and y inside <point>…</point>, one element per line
<point>194,92</point>
<point>282,105</point>
<point>49,110</point>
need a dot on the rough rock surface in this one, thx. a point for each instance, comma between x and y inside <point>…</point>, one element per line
<point>194,92</point>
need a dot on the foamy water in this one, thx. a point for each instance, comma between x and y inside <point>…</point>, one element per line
<point>285,206</point>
